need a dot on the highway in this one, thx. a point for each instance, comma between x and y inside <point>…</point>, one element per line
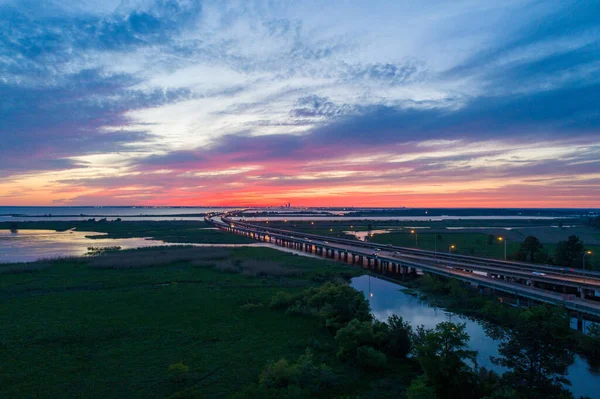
<point>542,283</point>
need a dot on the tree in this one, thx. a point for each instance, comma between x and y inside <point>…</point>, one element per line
<point>538,353</point>
<point>178,372</point>
<point>530,250</point>
<point>569,253</point>
<point>443,354</point>
<point>419,389</point>
<point>353,336</point>
<point>302,376</point>
<point>370,358</point>
<point>590,344</point>
<point>335,304</point>
<point>398,342</point>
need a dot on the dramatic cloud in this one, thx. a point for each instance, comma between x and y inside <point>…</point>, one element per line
<point>337,103</point>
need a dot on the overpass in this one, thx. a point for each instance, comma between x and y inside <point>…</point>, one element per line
<point>572,289</point>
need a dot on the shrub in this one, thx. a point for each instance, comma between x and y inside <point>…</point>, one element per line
<point>370,358</point>
<point>283,300</point>
<point>419,389</point>
<point>590,344</point>
<point>277,374</point>
<point>399,333</point>
<point>351,337</point>
<point>304,375</point>
<point>337,304</point>
<point>178,372</point>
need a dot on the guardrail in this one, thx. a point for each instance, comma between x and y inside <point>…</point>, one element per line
<point>519,290</point>
<point>483,262</point>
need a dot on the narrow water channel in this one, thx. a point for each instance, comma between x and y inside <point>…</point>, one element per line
<point>387,298</point>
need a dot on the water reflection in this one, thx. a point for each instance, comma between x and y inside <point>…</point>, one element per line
<point>388,299</point>
<point>32,245</point>
<point>362,235</point>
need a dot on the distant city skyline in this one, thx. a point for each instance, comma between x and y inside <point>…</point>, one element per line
<point>271,103</point>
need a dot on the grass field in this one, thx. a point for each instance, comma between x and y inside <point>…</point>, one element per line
<point>168,231</point>
<point>476,244</point>
<point>110,326</point>
<point>466,242</point>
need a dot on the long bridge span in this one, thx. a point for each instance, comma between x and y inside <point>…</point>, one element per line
<point>575,290</point>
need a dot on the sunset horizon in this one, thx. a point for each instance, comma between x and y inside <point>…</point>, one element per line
<point>427,104</point>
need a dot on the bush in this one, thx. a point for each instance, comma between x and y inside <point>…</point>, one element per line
<point>399,334</point>
<point>419,389</point>
<point>178,372</point>
<point>336,304</point>
<point>590,345</point>
<point>277,374</point>
<point>283,300</point>
<point>354,335</point>
<point>304,374</point>
<point>370,358</point>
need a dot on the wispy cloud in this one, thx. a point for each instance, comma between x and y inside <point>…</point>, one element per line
<point>182,101</point>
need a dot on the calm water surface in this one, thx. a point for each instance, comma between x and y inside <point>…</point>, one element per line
<point>43,213</point>
<point>32,245</point>
<point>388,299</point>
<point>407,218</point>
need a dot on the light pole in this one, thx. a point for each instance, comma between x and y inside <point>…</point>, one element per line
<point>584,254</point>
<point>450,248</point>
<point>416,238</point>
<point>503,239</point>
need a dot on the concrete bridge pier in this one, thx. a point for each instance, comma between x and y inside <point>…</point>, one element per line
<point>579,321</point>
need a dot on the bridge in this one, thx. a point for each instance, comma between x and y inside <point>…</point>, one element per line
<point>575,290</point>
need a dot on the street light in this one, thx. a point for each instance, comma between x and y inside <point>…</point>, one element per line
<point>416,238</point>
<point>503,239</point>
<point>584,254</point>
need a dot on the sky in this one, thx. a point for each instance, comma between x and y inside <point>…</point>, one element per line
<point>425,103</point>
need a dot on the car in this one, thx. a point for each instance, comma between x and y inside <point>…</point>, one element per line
<point>538,274</point>
<point>396,253</point>
<point>377,249</point>
<point>374,253</point>
<point>325,242</point>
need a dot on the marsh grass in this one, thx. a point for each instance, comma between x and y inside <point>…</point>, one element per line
<point>157,256</point>
<point>109,326</point>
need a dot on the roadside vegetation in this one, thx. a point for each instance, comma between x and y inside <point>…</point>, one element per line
<point>559,245</point>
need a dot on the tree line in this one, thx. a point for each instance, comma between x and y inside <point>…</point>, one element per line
<point>536,349</point>
<point>569,253</point>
